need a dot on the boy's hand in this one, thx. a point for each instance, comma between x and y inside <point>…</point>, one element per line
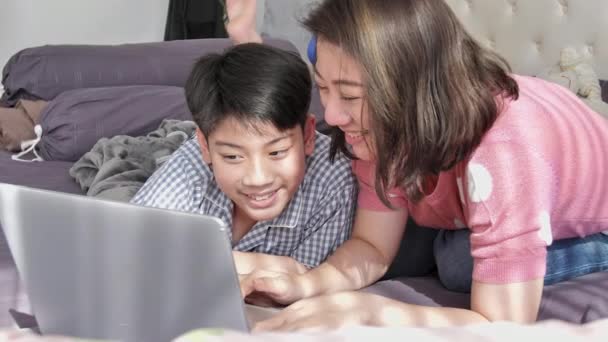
<point>241,25</point>
<point>269,288</point>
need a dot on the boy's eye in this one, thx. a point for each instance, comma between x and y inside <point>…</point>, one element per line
<point>278,153</point>
<point>230,157</point>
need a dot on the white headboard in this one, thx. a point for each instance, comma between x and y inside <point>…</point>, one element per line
<point>530,34</point>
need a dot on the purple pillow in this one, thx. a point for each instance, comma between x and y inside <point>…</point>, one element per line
<point>46,71</point>
<point>75,120</point>
<point>604,86</point>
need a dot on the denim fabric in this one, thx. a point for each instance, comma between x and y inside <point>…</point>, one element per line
<point>415,256</point>
<point>566,259</point>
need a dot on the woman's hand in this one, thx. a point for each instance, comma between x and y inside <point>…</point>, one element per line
<point>241,25</point>
<point>333,311</point>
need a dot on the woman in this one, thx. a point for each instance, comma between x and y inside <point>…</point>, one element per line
<point>440,130</point>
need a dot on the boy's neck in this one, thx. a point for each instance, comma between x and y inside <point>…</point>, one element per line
<point>241,225</point>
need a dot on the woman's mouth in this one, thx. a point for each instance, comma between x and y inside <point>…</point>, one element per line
<point>357,137</point>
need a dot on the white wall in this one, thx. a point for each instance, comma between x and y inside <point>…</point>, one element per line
<point>26,23</point>
<point>282,20</point>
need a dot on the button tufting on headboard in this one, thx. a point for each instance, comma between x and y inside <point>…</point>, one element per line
<point>530,34</point>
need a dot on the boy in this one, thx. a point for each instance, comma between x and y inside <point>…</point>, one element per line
<point>257,162</point>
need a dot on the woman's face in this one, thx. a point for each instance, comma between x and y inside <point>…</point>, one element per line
<point>343,95</point>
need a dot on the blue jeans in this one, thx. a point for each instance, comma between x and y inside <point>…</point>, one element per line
<point>566,259</point>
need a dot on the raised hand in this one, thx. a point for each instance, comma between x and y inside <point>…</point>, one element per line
<point>241,24</point>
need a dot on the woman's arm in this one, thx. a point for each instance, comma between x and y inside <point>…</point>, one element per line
<point>517,302</point>
<point>359,262</point>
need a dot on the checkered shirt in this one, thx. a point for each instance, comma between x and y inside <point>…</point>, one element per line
<point>316,221</point>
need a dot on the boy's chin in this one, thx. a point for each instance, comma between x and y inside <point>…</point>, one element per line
<point>265,214</point>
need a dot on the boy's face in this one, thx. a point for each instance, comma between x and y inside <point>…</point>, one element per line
<point>260,168</point>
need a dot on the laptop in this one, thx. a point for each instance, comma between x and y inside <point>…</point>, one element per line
<point>102,269</point>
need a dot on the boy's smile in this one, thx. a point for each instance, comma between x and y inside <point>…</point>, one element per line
<point>257,166</point>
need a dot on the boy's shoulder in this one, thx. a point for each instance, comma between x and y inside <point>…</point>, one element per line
<point>188,158</point>
<point>320,170</point>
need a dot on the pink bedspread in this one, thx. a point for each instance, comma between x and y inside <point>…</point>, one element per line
<point>490,332</point>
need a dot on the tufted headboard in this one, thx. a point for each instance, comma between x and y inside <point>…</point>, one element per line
<point>530,34</point>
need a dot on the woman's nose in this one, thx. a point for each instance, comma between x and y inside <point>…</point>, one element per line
<point>335,114</point>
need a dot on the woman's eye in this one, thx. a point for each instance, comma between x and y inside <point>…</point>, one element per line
<point>350,98</point>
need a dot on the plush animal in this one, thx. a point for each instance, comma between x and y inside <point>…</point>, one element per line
<point>576,73</point>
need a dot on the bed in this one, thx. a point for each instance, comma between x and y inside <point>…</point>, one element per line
<point>531,35</point>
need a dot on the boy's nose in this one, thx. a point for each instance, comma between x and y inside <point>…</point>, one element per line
<point>258,175</point>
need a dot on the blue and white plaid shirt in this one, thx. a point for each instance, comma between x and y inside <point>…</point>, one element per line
<point>316,221</point>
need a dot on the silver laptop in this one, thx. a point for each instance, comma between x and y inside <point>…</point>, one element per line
<point>109,270</point>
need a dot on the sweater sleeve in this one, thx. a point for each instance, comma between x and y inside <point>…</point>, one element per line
<point>508,203</point>
<point>368,198</point>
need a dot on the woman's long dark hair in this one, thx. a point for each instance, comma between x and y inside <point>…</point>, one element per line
<point>432,90</point>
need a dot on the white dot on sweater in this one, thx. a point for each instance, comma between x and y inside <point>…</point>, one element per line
<point>479,182</point>
<point>545,232</point>
<point>459,224</point>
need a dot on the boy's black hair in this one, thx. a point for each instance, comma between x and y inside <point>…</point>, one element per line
<point>252,83</point>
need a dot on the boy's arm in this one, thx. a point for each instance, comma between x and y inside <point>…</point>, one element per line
<point>247,262</point>
<point>169,187</point>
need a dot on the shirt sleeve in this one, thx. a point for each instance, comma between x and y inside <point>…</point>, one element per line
<point>328,228</point>
<point>169,187</point>
<point>368,198</point>
<point>508,204</point>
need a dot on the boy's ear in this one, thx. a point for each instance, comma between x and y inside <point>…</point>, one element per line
<point>309,134</point>
<point>202,141</point>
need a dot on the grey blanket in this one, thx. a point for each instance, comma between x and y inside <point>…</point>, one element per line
<point>117,167</point>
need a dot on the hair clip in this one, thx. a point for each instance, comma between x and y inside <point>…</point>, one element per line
<point>312,50</point>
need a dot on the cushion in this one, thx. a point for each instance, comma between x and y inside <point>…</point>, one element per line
<point>575,72</point>
<point>46,71</point>
<point>75,120</point>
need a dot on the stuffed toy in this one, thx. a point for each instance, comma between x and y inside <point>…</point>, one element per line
<point>576,73</point>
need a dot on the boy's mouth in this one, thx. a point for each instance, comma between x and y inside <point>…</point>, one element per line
<point>261,197</point>
<point>262,200</point>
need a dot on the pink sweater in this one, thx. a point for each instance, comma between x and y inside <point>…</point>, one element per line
<point>540,174</point>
